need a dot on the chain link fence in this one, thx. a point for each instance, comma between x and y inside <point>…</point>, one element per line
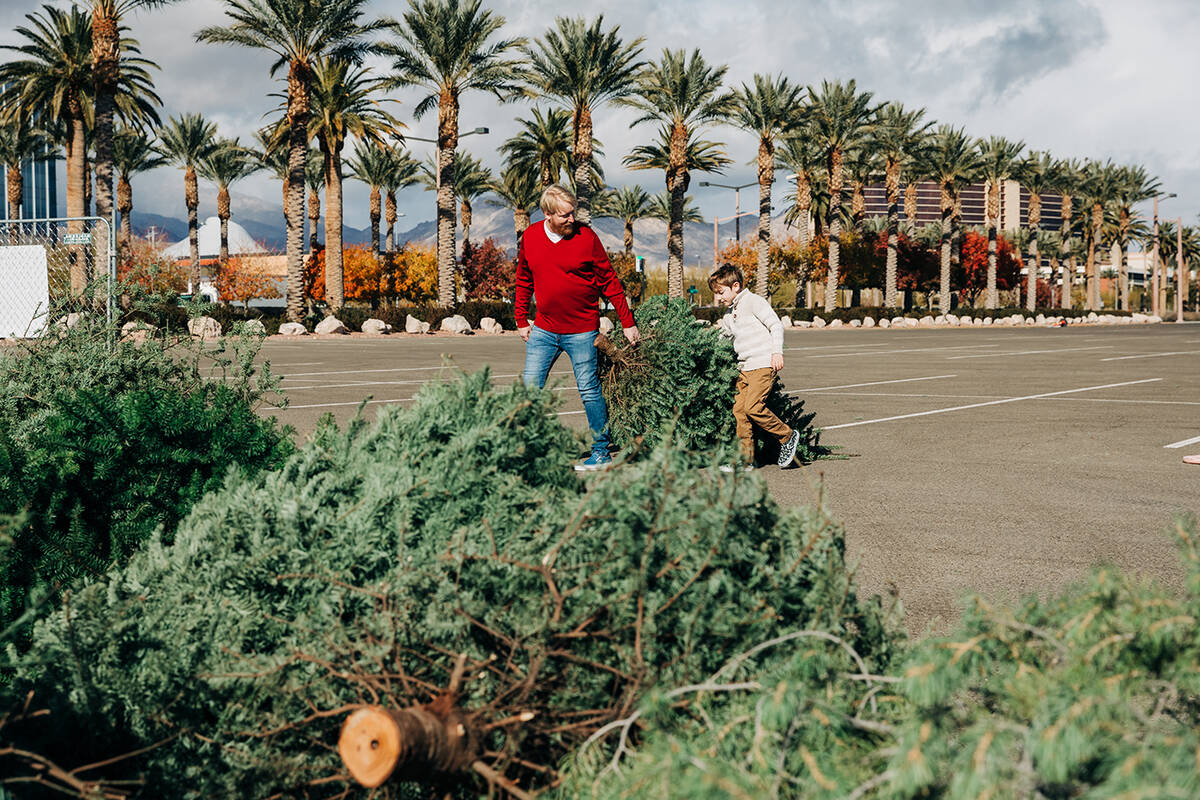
<point>52,267</point>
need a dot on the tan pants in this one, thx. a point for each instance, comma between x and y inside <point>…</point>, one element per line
<point>749,409</point>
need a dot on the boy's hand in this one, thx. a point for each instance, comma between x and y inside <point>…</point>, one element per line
<point>776,361</point>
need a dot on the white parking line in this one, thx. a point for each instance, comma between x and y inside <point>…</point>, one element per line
<point>871,383</point>
<point>1031,352</point>
<point>365,371</point>
<point>1183,443</point>
<point>905,350</point>
<point>835,347</point>
<point>988,403</point>
<point>1153,355</point>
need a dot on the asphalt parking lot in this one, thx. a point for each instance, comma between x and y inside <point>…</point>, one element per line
<point>997,460</point>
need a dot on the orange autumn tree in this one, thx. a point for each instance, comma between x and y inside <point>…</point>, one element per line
<point>412,275</point>
<point>785,260</point>
<point>245,278</point>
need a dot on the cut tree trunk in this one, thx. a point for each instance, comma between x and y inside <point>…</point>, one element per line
<point>415,743</point>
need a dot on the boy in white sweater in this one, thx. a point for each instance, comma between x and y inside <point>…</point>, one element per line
<point>757,337</point>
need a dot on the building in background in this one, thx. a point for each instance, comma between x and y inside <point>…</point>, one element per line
<point>40,191</point>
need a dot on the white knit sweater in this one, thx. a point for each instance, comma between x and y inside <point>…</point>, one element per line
<point>755,329</point>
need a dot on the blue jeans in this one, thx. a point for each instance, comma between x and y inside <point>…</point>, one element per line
<point>542,350</point>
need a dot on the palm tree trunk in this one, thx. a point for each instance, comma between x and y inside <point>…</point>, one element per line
<point>835,228</point>
<point>628,238</point>
<point>1033,269</point>
<point>125,207</point>
<point>314,217</point>
<point>335,292</point>
<point>993,215</point>
<point>191,195</point>
<point>447,144</point>
<point>1122,296</point>
<point>76,180</point>
<point>766,176</point>
<point>1093,267</point>
<point>16,189</point>
<point>465,211</point>
<point>910,206</point>
<point>390,217</point>
<point>804,206</point>
<point>299,100</point>
<point>891,293</point>
<point>947,220</point>
<point>106,54</point>
<point>1124,256</point>
<point>224,212</point>
<point>375,219</point>
<point>583,162</point>
<point>1066,256</point>
<point>677,180</point>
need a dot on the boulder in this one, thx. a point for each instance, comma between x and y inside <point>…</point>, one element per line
<point>988,321</point>
<point>785,321</point>
<point>606,325</point>
<point>70,320</point>
<point>456,323</point>
<point>868,322</point>
<point>941,319</point>
<point>414,325</point>
<point>292,329</point>
<point>1016,319</point>
<point>1154,318</point>
<point>856,323</point>
<point>253,327</point>
<point>818,322</point>
<point>884,322</point>
<point>376,326</point>
<point>837,323</point>
<point>331,325</point>
<point>965,320</point>
<point>204,327</point>
<point>898,322</point>
<point>977,322</point>
<point>803,324</point>
<point>909,322</point>
<point>1139,318</point>
<point>926,321</point>
<point>1092,316</point>
<point>1040,319</point>
<point>489,325</point>
<point>138,331</point>
<point>952,320</point>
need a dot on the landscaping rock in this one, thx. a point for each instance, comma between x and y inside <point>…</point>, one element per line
<point>898,322</point>
<point>884,322</point>
<point>204,327</point>
<point>70,320</point>
<point>818,322</point>
<point>293,329</point>
<point>803,324</point>
<point>785,321</point>
<point>909,322</point>
<point>376,326</point>
<point>1040,319</point>
<point>965,321</point>
<point>414,325</point>
<point>253,326</point>
<point>1154,318</point>
<point>837,323</point>
<point>926,321</point>
<point>606,325</point>
<point>868,322</point>
<point>138,331</point>
<point>331,325</point>
<point>941,319</point>
<point>951,320</point>
<point>489,325</point>
<point>855,323</point>
<point>456,323</point>
<point>1139,318</point>
<point>1092,316</point>
<point>988,321</point>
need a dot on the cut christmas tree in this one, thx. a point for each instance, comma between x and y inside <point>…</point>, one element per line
<point>679,380</point>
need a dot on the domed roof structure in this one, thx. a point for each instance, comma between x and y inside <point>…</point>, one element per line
<point>210,241</point>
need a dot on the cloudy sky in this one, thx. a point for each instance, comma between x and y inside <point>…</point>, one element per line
<point>1080,78</point>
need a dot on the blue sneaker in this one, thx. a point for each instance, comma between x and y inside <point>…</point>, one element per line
<point>597,460</point>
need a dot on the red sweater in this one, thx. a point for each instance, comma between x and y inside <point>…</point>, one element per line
<point>566,279</point>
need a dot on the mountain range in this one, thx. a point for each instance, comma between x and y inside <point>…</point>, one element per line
<point>265,224</point>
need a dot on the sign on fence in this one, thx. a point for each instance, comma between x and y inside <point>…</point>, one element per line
<point>24,290</point>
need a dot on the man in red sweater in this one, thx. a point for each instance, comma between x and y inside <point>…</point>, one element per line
<point>564,266</point>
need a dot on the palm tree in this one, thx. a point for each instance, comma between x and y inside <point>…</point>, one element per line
<point>799,154</point>
<point>298,33</point>
<point>628,204</point>
<point>999,164</point>
<point>19,140</point>
<point>273,157</point>
<point>54,76</point>
<point>133,152</point>
<point>442,47</point>
<point>186,141</point>
<point>370,164</point>
<point>471,180</point>
<point>403,172</point>
<point>953,161</point>
<point>659,207</point>
<point>861,168</point>
<point>1036,174</point>
<point>1099,189</point>
<point>517,190</point>
<point>1070,177</point>
<point>227,163</point>
<point>772,109</point>
<point>314,179</point>
<point>583,66</point>
<point>342,106</point>
<point>898,137</point>
<point>108,67</point>
<point>1134,186</point>
<point>543,146</point>
<point>684,94</point>
<point>839,116</point>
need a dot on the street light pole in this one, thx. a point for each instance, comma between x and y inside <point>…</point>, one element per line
<point>1180,280</point>
<point>1155,307</point>
<point>437,171</point>
<point>737,203</point>
<point>716,222</point>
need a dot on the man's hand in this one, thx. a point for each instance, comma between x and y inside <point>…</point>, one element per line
<point>633,334</point>
<point>777,361</point>
<point>523,333</point>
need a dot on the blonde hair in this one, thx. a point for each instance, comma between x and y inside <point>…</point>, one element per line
<point>555,197</point>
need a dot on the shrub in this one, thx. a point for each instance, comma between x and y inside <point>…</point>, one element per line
<point>102,444</point>
<point>370,563</point>
<point>487,271</point>
<point>679,382</point>
<point>245,278</point>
